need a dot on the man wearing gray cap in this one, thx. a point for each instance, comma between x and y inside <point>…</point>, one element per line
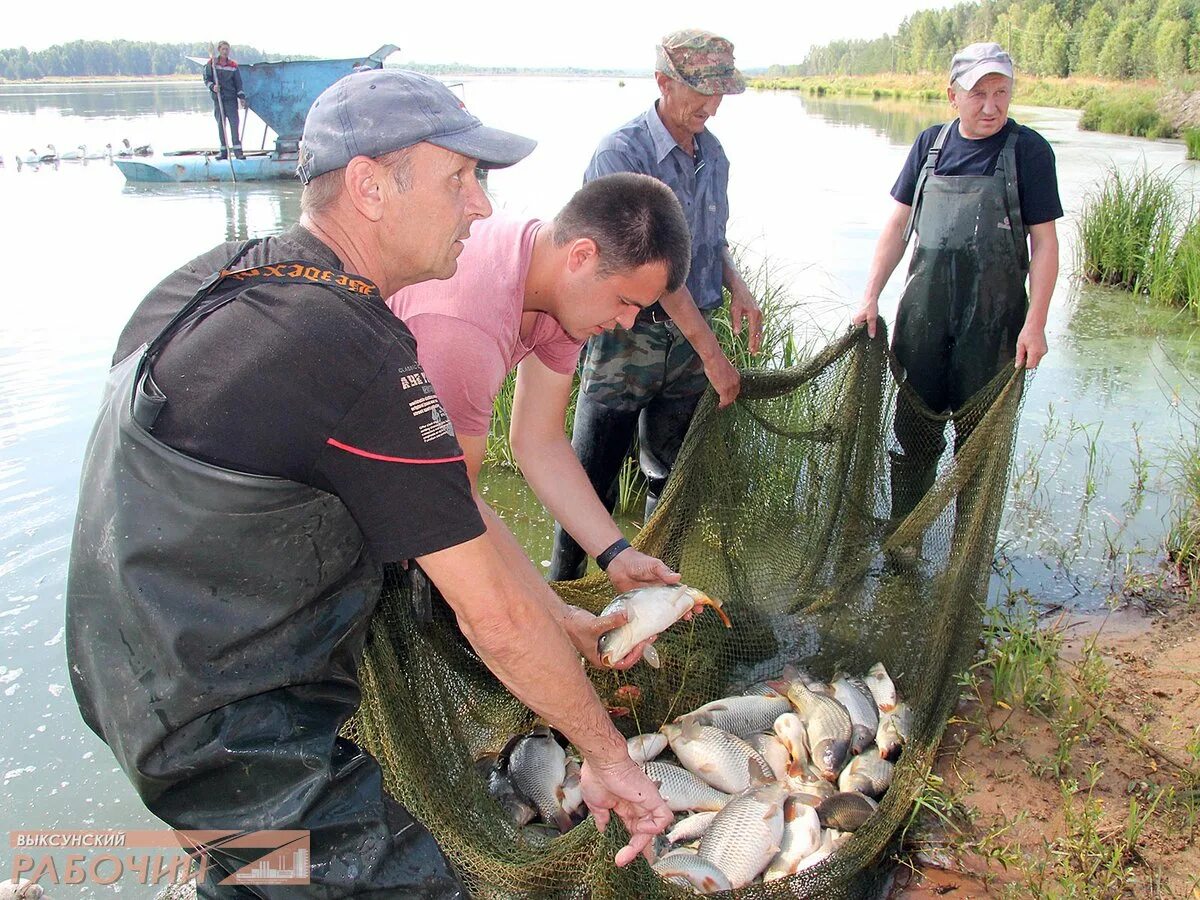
<point>981,194</point>
<point>647,380</point>
<point>267,443</point>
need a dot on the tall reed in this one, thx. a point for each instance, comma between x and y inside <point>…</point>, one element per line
<point>1191,137</point>
<point>1127,229</point>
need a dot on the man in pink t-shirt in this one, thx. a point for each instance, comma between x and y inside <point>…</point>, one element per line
<point>527,295</point>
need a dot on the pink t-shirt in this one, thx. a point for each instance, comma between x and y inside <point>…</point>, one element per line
<point>471,330</point>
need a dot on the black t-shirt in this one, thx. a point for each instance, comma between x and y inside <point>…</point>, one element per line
<point>1037,180</point>
<point>299,382</point>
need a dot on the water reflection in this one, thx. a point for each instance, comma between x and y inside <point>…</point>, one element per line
<point>900,121</point>
<point>107,100</point>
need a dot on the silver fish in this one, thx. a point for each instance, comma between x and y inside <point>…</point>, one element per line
<point>761,689</point>
<point>774,751</point>
<point>687,869</point>
<point>790,730</point>
<point>810,786</point>
<point>881,687</point>
<point>828,727</point>
<point>893,731</point>
<point>682,790</point>
<point>499,786</point>
<point>650,611</point>
<point>864,716</point>
<point>537,765</point>
<point>845,811</point>
<point>572,789</point>
<point>822,853</point>
<point>745,836</point>
<point>741,716</point>
<point>723,760</point>
<point>690,828</point>
<point>645,747</point>
<point>801,837</point>
<point>792,674</point>
<point>868,773</point>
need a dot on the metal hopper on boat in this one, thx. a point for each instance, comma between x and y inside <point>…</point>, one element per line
<point>280,93</point>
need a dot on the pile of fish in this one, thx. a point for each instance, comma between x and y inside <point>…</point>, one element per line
<point>766,783</point>
<point>535,782</point>
<point>771,782</point>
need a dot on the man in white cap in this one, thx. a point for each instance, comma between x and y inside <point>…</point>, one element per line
<point>269,441</point>
<point>981,194</point>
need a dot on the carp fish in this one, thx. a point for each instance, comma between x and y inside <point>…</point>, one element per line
<point>651,611</point>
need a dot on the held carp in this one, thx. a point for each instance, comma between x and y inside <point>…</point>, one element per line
<point>650,611</point>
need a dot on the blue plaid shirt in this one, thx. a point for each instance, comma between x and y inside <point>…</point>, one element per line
<point>701,183</point>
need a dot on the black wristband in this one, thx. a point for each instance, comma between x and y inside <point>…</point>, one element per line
<point>606,558</point>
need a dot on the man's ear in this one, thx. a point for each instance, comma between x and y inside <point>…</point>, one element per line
<point>364,186</point>
<point>580,253</point>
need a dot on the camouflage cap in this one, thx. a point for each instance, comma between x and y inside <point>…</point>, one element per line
<point>701,60</point>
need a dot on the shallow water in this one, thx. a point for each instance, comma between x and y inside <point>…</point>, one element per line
<point>809,191</point>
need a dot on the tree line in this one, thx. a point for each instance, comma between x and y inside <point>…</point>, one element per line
<point>98,58</point>
<point>1120,39</point>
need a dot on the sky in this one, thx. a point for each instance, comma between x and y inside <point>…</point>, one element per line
<point>617,34</point>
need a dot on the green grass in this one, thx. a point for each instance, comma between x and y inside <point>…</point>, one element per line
<point>1115,106</point>
<point>1127,230</point>
<point>1133,112</point>
<point>1183,538</point>
<point>1191,137</point>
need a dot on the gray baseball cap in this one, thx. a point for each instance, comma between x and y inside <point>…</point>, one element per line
<point>375,112</point>
<point>973,62</point>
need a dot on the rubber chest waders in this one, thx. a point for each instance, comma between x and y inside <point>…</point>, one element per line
<point>963,304</point>
<point>215,620</point>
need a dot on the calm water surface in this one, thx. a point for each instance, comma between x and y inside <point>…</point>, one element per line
<point>808,193</point>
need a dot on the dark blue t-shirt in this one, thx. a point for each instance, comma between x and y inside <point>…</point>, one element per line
<point>1037,180</point>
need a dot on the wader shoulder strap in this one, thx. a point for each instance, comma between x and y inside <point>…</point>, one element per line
<point>931,159</point>
<point>1012,194</point>
<point>220,288</point>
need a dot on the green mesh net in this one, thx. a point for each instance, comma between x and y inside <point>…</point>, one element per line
<point>781,507</point>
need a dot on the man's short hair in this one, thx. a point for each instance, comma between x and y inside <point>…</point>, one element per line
<point>321,193</point>
<point>634,220</point>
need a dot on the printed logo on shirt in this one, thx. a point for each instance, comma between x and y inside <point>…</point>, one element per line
<point>1006,225</point>
<point>413,378</point>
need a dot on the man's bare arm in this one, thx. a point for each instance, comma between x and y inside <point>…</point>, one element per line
<point>553,470</point>
<point>889,250</point>
<point>1043,274</point>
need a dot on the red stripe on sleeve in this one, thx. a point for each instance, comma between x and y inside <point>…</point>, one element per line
<point>393,459</point>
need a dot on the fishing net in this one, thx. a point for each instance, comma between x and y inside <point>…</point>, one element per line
<point>781,507</point>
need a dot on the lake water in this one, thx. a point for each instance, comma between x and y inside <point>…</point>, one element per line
<point>808,193</point>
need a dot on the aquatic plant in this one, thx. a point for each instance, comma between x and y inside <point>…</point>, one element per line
<point>1127,229</point>
<point>1191,137</point>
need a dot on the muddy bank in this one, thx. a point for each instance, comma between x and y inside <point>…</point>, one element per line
<point>1093,791</point>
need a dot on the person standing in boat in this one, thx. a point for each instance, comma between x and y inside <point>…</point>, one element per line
<point>647,380</point>
<point>981,195</point>
<point>225,83</point>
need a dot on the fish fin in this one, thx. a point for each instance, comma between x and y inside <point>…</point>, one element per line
<point>707,767</point>
<point>759,774</point>
<point>650,655</point>
<point>562,820</point>
<point>715,605</point>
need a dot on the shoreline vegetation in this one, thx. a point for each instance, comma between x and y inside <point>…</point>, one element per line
<point>1146,108</point>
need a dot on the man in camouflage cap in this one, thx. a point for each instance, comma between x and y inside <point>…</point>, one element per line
<point>649,378</point>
